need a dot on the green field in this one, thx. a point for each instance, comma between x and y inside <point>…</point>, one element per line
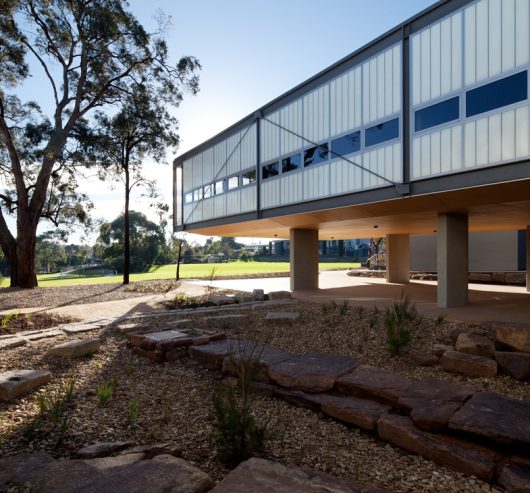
<point>188,271</point>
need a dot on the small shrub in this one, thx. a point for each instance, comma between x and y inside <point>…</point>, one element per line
<point>400,320</point>
<point>5,321</point>
<point>104,393</point>
<point>440,320</point>
<point>359,312</point>
<point>133,412</point>
<point>343,309</point>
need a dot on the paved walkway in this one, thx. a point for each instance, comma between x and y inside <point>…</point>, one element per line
<point>487,302</point>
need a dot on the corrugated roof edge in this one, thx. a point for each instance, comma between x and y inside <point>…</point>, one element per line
<point>348,58</point>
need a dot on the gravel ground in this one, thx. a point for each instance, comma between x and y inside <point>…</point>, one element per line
<point>174,403</point>
<point>30,321</point>
<point>13,298</point>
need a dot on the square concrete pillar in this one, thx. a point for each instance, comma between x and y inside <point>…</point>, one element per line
<point>304,259</point>
<point>528,258</point>
<point>452,253</point>
<point>398,258</point>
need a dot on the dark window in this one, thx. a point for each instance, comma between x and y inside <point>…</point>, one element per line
<point>438,113</point>
<point>291,163</point>
<point>497,94</point>
<point>188,198</point>
<point>315,155</point>
<point>249,177</point>
<point>270,170</point>
<point>346,144</point>
<point>219,187</point>
<point>197,195</point>
<point>381,133</point>
<point>233,182</point>
<point>208,191</point>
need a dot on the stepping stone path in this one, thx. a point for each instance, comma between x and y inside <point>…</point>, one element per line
<point>468,364</point>
<point>246,298</point>
<point>224,321</point>
<point>147,469</point>
<point>80,328</point>
<point>263,476</point>
<point>280,295</point>
<point>475,344</point>
<point>184,323</point>
<point>222,300</point>
<point>517,365</point>
<point>212,355</point>
<point>19,382</point>
<point>75,349</point>
<point>312,372</point>
<point>259,294</point>
<point>9,342</point>
<point>128,328</point>
<point>42,334</point>
<point>282,317</point>
<point>359,412</point>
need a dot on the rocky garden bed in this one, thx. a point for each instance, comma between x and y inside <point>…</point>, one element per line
<point>114,395</point>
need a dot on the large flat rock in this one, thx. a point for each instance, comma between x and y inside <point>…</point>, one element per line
<point>359,412</point>
<point>72,329</point>
<point>458,454</point>
<point>298,398</point>
<point>43,334</point>
<point>282,317</point>
<point>432,402</point>
<point>212,355</point>
<point>312,372</point>
<point>75,349</point>
<point>12,342</point>
<point>19,382</point>
<point>374,383</point>
<point>262,476</point>
<point>517,365</point>
<point>224,321</point>
<point>515,336</point>
<point>475,344</point>
<point>494,416</point>
<point>469,364</point>
<point>101,449</point>
<point>515,477</point>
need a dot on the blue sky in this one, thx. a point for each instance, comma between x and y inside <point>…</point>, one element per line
<point>251,52</point>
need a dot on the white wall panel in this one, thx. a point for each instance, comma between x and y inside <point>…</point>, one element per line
<point>316,182</point>
<point>521,132</point>
<point>456,50</point>
<point>316,115</point>
<point>233,157</point>
<point>508,35</point>
<point>291,188</point>
<point>346,102</point>
<point>249,148</point>
<point>396,79</point>
<point>233,202</point>
<point>270,137</point>
<point>522,27</point>
<point>248,198</point>
<point>291,119</point>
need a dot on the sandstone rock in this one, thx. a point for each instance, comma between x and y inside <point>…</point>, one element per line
<point>440,349</point>
<point>23,468</point>
<point>453,335</point>
<point>359,412</point>
<point>516,365</point>
<point>153,449</point>
<point>423,358</point>
<point>104,463</point>
<point>75,349</point>
<point>222,300</point>
<point>433,402</point>
<point>73,329</point>
<point>312,372</point>
<point>374,383</point>
<point>515,477</point>
<point>18,382</point>
<point>176,353</point>
<point>259,294</point>
<point>280,295</point>
<point>101,449</point>
<point>480,277</point>
<point>459,454</point>
<point>282,317</point>
<point>518,278</point>
<point>155,356</point>
<point>212,355</point>
<point>128,328</point>
<point>245,298</point>
<point>468,364</point>
<point>12,342</point>
<point>262,476</point>
<point>42,334</point>
<point>165,340</point>
<point>494,416</point>
<point>475,344</point>
<point>183,323</point>
<point>298,398</point>
<point>224,321</point>
<point>499,277</point>
<point>515,336</point>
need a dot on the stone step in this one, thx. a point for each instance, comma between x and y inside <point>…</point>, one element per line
<point>517,365</point>
<point>475,344</point>
<point>469,364</point>
<point>15,383</point>
<point>224,321</point>
<point>458,454</point>
<point>513,335</point>
<point>514,477</point>
<point>12,342</point>
<point>75,349</point>
<point>362,413</point>
<point>282,317</point>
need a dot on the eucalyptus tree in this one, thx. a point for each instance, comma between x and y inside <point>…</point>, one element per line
<point>90,55</point>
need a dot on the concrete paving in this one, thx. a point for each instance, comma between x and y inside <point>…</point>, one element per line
<point>487,302</point>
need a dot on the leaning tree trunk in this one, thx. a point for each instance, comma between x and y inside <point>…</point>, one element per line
<point>126,231</point>
<point>23,272</point>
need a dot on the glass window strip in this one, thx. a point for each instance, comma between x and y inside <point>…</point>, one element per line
<point>437,114</point>
<point>381,132</point>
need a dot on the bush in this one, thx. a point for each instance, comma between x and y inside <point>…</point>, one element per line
<point>400,320</point>
<point>236,433</point>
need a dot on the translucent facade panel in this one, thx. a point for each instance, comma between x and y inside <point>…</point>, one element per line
<point>291,119</point>
<point>248,198</point>
<point>346,102</point>
<point>345,177</point>
<point>437,60</point>
<point>248,148</point>
<point>270,137</point>
<point>233,156</point>
<point>316,182</point>
<point>316,115</point>
<point>496,38</point>
<point>291,188</point>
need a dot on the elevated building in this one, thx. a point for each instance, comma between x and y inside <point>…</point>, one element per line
<point>425,130</point>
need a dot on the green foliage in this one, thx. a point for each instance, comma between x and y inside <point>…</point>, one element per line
<point>133,412</point>
<point>104,393</point>
<point>359,312</point>
<point>236,433</point>
<point>400,320</point>
<point>6,320</point>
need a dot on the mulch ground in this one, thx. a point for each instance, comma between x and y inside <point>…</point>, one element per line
<point>174,401</point>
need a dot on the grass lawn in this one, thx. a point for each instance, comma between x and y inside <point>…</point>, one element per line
<point>186,271</point>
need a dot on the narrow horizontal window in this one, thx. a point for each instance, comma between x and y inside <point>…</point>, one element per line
<point>346,144</point>
<point>197,195</point>
<point>208,191</point>
<point>437,114</point>
<point>291,163</point>
<point>219,187</point>
<point>381,133</point>
<point>270,170</point>
<point>497,94</point>
<point>249,177</point>
<point>316,155</point>
<point>233,182</point>
<point>188,198</point>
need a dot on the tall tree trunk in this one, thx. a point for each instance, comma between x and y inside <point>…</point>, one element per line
<point>126,230</point>
<point>179,256</point>
<point>25,275</point>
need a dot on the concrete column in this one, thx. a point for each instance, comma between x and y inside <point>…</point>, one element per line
<point>398,258</point>
<point>304,259</point>
<point>528,258</point>
<point>452,253</point>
